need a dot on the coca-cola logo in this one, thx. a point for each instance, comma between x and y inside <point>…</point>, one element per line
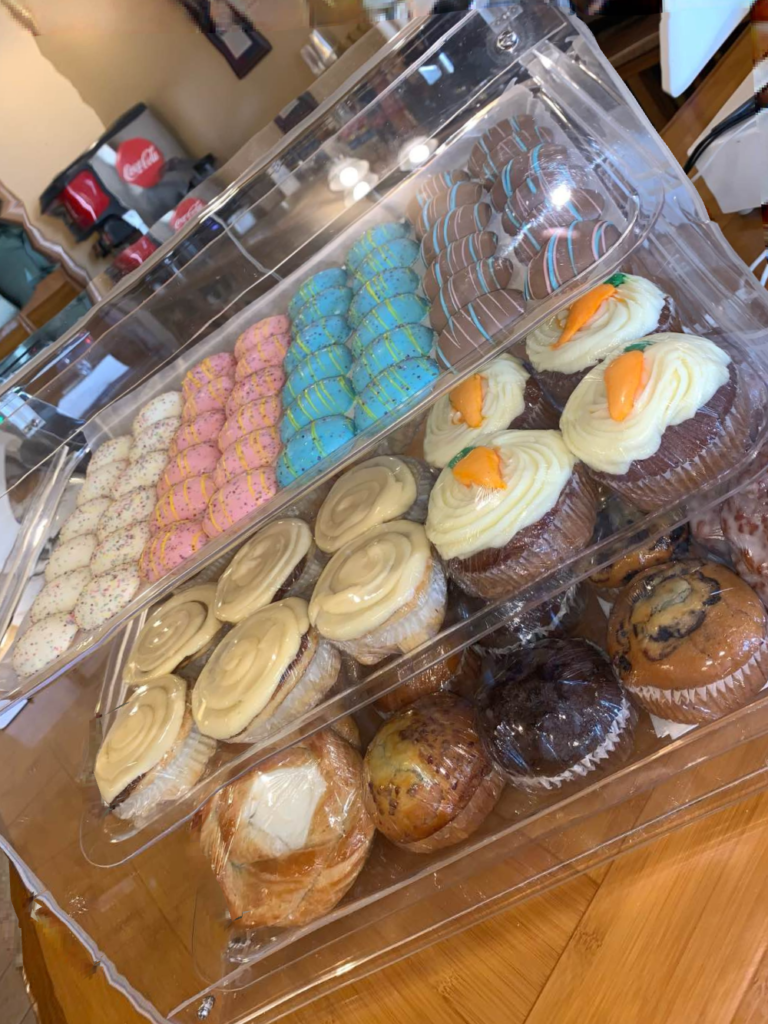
<point>185,211</point>
<point>140,162</point>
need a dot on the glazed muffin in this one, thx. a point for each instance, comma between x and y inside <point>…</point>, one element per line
<point>152,753</point>
<point>280,561</point>
<point>553,713</point>
<point>429,783</point>
<point>383,593</point>
<point>177,637</point>
<point>502,396</point>
<point>743,534</point>
<point>609,580</point>
<point>376,491</point>
<point>600,324</point>
<point>272,667</point>
<point>551,619</point>
<point>660,421</point>
<point>688,641</point>
<point>505,513</point>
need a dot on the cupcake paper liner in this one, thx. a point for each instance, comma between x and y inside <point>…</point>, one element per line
<point>190,668</point>
<point>539,414</point>
<point>425,478</point>
<point>615,748</point>
<point>418,620</point>
<point>705,703</point>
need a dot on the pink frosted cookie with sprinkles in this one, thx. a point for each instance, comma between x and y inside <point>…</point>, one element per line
<point>205,428</point>
<point>260,332</point>
<point>187,500</point>
<point>170,548</point>
<point>221,365</point>
<point>194,461</point>
<point>237,498</point>
<point>271,352</point>
<point>254,416</point>
<point>208,398</point>
<point>266,382</point>
<point>252,451</point>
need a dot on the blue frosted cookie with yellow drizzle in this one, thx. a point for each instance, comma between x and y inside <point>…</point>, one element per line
<point>331,302</point>
<point>407,342</point>
<point>373,238</point>
<point>331,330</point>
<point>333,277</point>
<point>401,309</point>
<point>334,361</point>
<point>311,445</point>
<point>383,286</point>
<point>394,388</point>
<point>399,252</point>
<point>331,397</point>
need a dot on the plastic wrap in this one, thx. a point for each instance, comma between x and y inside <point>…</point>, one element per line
<point>650,440</point>
<point>552,619</point>
<point>429,783</point>
<point>457,672</point>
<point>503,513</point>
<point>553,712</point>
<point>381,594</point>
<point>288,839</point>
<point>689,640</point>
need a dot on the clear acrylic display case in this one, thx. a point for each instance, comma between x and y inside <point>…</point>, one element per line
<point>142,897</point>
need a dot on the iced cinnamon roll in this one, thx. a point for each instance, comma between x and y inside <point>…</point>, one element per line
<point>152,753</point>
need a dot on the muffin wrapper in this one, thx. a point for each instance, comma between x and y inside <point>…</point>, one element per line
<point>655,492</point>
<point>569,534</point>
<point>425,480</point>
<point>560,386</point>
<point>615,748</point>
<point>191,668</point>
<point>171,781</point>
<point>314,563</point>
<point>320,675</point>
<point>705,703</point>
<point>418,620</point>
<point>538,415</point>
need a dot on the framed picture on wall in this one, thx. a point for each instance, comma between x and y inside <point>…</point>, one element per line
<point>230,32</point>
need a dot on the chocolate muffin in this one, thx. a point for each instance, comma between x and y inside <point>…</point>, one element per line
<point>688,640</point>
<point>508,511</point>
<point>429,783</point>
<point>568,252</point>
<point>650,438</point>
<point>553,713</point>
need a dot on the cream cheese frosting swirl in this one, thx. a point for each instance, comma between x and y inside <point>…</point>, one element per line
<point>247,667</point>
<point>447,433</point>
<point>175,631</point>
<point>370,579</point>
<point>375,492</point>
<point>260,569</point>
<point>681,374</point>
<point>632,312</point>
<point>535,466</point>
<point>145,730</point>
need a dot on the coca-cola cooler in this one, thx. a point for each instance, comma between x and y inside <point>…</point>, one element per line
<point>132,177</point>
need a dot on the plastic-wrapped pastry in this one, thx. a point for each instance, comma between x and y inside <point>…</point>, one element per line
<point>288,839</point>
<point>373,492</point>
<point>456,672</point>
<point>429,782</point>
<point>503,514</point>
<point>152,753</point>
<point>382,593</point>
<point>270,668</point>
<point>550,620</point>
<point>660,421</point>
<point>177,634</point>
<point>553,712</point>
<point>743,521</point>
<point>280,561</point>
<point>600,324</point>
<point>502,396</point>
<point>689,640</point>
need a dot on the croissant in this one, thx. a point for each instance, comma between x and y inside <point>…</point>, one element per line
<point>288,839</point>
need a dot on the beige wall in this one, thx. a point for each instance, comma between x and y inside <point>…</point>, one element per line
<point>119,52</point>
<point>44,124</point>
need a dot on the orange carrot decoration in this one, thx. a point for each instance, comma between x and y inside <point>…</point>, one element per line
<point>582,311</point>
<point>467,400</point>
<point>623,383</point>
<point>480,466</point>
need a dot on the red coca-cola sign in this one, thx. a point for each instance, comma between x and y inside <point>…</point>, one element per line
<point>185,211</point>
<point>140,162</point>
